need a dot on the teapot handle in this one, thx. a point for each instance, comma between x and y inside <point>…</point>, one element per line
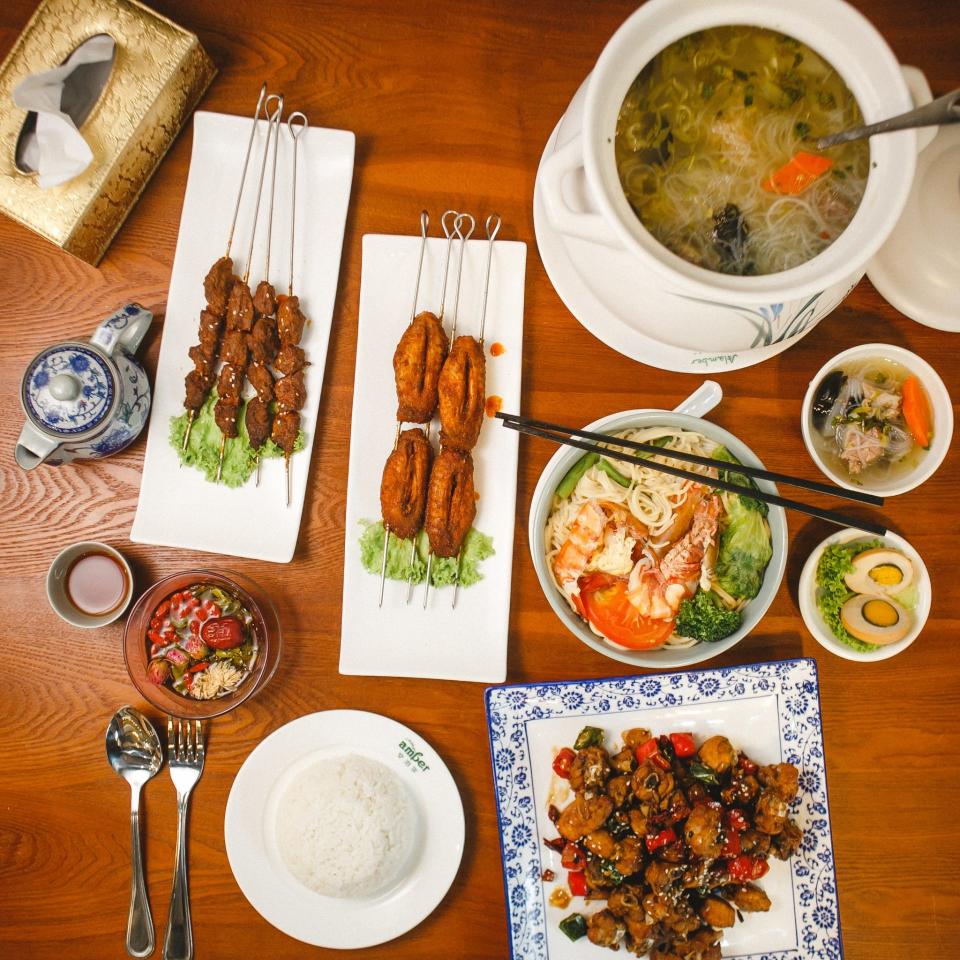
<point>126,327</point>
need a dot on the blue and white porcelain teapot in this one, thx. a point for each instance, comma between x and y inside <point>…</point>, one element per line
<point>86,399</point>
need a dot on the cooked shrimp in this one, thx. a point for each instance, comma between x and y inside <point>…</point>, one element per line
<point>583,538</point>
<point>657,589</point>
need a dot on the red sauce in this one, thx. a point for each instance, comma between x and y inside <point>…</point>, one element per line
<point>497,349</point>
<point>493,405</point>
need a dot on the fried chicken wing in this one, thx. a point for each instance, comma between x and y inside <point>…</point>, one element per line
<point>451,504</point>
<point>403,489</point>
<point>462,388</point>
<point>217,284</point>
<point>257,421</point>
<point>417,363</point>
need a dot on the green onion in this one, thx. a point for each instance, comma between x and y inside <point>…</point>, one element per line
<point>610,873</point>
<point>572,477</point>
<point>574,926</point>
<point>612,472</point>
<point>700,771</point>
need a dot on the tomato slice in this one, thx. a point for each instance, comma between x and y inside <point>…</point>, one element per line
<point>606,606</point>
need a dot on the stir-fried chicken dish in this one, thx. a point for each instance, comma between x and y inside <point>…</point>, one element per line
<point>670,838</point>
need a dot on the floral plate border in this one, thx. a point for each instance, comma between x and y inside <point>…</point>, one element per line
<point>795,682</point>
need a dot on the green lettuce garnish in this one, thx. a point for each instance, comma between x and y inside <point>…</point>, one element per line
<point>833,592</point>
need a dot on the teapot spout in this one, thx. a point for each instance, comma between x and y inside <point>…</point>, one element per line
<point>33,448</point>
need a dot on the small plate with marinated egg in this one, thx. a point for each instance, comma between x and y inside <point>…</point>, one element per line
<point>864,597</point>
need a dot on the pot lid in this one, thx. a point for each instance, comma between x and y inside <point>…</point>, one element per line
<point>69,389</point>
<point>918,268</point>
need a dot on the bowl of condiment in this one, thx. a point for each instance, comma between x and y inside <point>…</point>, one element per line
<point>89,584</point>
<point>877,417</point>
<point>864,597</point>
<point>201,642</point>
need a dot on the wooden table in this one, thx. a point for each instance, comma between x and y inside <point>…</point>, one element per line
<point>452,104</point>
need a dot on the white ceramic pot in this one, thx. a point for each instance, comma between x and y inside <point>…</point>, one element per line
<point>584,199</point>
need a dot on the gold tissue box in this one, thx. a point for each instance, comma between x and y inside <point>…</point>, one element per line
<point>159,73</point>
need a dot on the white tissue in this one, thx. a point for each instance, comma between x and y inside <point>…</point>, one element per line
<point>57,151</point>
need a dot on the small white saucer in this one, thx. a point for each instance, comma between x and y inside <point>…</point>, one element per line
<point>918,268</point>
<point>622,305</point>
<point>337,922</point>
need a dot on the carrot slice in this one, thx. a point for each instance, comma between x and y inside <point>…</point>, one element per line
<point>797,174</point>
<point>916,411</point>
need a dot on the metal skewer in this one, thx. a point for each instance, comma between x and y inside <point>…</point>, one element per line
<point>492,226</point>
<point>424,229</point>
<point>266,268</point>
<point>274,118</point>
<point>463,238</point>
<point>233,224</point>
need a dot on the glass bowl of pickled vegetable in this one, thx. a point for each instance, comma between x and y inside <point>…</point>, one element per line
<point>200,643</point>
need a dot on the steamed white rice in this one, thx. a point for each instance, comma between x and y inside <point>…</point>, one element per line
<point>344,826</point>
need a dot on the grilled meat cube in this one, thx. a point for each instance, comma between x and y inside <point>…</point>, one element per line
<point>257,421</point>
<point>230,383</point>
<point>265,299</point>
<point>461,390</point>
<point>290,320</point>
<point>225,413</point>
<point>417,363</point>
<point>203,364</point>
<point>451,504</point>
<point>233,348</point>
<point>211,326</point>
<point>286,426</point>
<point>403,488</point>
<point>702,831</point>
<point>291,392</point>
<point>261,379</point>
<point>196,388</point>
<point>289,359</point>
<point>240,308</point>
<point>263,342</point>
<point>217,284</point>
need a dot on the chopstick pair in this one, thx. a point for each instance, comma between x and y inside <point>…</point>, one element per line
<point>572,437</point>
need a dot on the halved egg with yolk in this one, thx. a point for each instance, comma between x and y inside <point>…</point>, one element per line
<point>880,571</point>
<point>874,619</point>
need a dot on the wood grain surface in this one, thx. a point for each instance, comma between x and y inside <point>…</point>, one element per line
<point>452,103</point>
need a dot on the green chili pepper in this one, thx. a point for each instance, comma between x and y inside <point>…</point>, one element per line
<point>612,472</point>
<point>588,737</point>
<point>610,873</point>
<point>618,826</point>
<point>572,476</point>
<point>703,773</point>
<point>574,926</point>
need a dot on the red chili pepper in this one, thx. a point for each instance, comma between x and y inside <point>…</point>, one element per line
<point>562,762</point>
<point>659,840</point>
<point>555,843</point>
<point>683,744</point>
<point>645,751</point>
<point>577,882</point>
<point>744,868</point>
<point>222,634</point>
<point>731,846</point>
<point>163,609</point>
<point>735,820</point>
<point>154,638</point>
<point>197,667</point>
<point>573,858</point>
<point>156,623</point>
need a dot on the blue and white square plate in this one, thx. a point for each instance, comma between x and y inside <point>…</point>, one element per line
<point>771,711</point>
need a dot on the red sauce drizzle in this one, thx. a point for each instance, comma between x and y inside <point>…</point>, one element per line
<point>497,349</point>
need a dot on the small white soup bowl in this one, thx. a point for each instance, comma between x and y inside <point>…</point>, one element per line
<point>940,405</point>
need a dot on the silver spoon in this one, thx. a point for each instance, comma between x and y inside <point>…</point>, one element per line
<point>943,110</point>
<point>134,752</point>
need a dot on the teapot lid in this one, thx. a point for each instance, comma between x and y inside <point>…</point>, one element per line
<point>69,389</point>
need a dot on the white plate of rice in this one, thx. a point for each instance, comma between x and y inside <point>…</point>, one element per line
<point>344,829</point>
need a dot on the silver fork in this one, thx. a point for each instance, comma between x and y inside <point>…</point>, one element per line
<point>185,752</point>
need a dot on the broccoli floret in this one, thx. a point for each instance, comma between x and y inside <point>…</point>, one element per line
<point>704,617</point>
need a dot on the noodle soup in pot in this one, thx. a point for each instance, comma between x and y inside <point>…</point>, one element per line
<point>715,150</point>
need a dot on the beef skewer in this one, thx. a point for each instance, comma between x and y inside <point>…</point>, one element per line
<point>386,494</point>
<point>290,390</point>
<point>458,225</point>
<point>216,288</point>
<point>262,341</point>
<point>239,322</point>
<point>462,390</point>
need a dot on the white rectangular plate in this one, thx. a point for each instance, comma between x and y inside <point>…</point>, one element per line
<point>179,507</point>
<point>771,711</point>
<point>400,640</point>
